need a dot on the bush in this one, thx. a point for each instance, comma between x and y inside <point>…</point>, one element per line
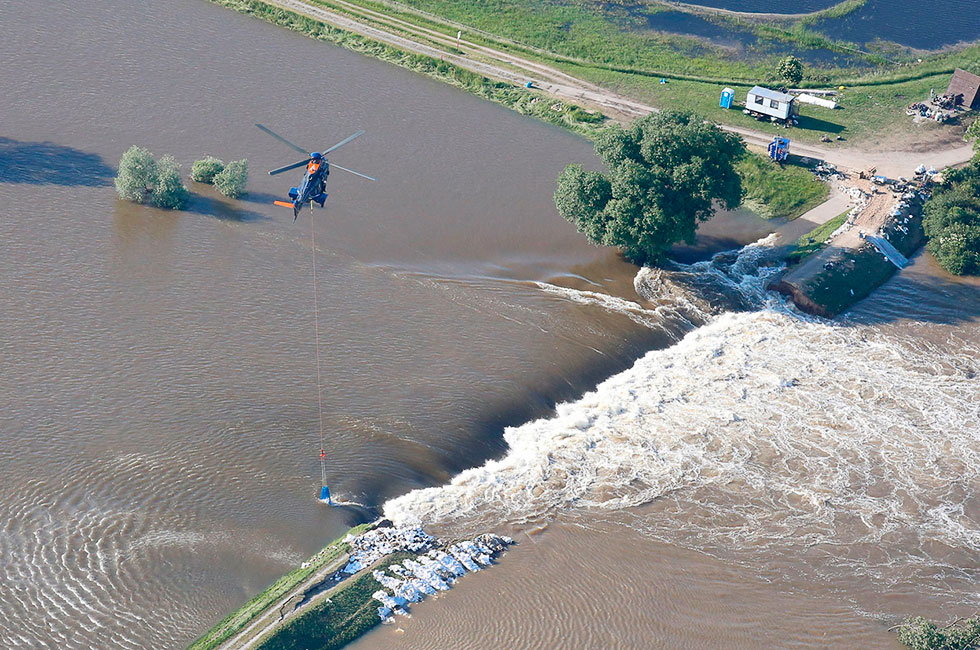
<point>204,170</point>
<point>919,634</point>
<point>952,221</point>
<point>232,179</point>
<point>138,174</point>
<point>790,70</point>
<point>170,191</point>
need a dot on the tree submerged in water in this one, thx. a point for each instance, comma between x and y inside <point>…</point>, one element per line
<point>231,180</point>
<point>665,173</point>
<point>919,634</point>
<point>205,169</point>
<point>143,179</point>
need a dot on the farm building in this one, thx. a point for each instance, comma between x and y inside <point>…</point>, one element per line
<point>965,85</point>
<point>770,102</point>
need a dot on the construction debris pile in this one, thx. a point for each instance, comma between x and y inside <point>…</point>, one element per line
<point>940,108</point>
<point>412,580</point>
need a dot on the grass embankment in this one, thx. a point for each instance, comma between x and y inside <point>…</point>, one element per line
<point>346,613</point>
<point>816,239</point>
<point>522,100</point>
<point>611,46</point>
<point>773,190</point>
<point>239,619</point>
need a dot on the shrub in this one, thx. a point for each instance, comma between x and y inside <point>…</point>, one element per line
<point>204,170</point>
<point>790,70</point>
<point>231,180</point>
<point>952,221</point>
<point>919,634</point>
<point>138,174</point>
<point>170,191</point>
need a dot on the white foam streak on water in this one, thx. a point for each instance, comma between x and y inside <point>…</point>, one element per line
<point>767,430</point>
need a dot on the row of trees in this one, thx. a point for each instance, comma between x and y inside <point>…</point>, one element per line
<point>952,220</point>
<point>145,179</point>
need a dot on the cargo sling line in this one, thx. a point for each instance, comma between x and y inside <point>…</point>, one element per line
<point>324,490</point>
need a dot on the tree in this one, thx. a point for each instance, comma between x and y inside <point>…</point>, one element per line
<point>170,191</point>
<point>973,133</point>
<point>665,172</point>
<point>951,220</point>
<point>205,169</point>
<point>138,174</point>
<point>790,70</point>
<point>232,179</point>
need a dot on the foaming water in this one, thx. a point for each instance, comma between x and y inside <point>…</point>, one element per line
<point>852,450</point>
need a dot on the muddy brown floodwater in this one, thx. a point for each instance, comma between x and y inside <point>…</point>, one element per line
<point>158,418</point>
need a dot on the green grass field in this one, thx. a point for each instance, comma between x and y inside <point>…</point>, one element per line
<point>779,191</point>
<point>814,240</point>
<point>607,44</point>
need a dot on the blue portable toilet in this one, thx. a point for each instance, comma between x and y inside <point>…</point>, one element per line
<point>727,97</point>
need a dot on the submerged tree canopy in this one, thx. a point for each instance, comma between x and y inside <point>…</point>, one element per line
<point>231,180</point>
<point>144,179</point>
<point>665,172</point>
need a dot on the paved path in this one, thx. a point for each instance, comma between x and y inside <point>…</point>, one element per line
<point>835,204</point>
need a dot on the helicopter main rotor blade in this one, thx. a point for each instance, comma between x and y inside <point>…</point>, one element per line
<point>288,167</point>
<point>343,142</point>
<point>351,171</point>
<point>282,139</point>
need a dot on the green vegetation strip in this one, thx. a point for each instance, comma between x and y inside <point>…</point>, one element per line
<point>238,620</point>
<point>521,100</point>
<point>815,240</point>
<point>779,191</point>
<point>347,612</point>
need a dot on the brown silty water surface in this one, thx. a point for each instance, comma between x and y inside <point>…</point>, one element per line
<point>158,419</point>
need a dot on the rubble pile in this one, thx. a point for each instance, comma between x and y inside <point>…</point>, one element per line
<point>435,570</point>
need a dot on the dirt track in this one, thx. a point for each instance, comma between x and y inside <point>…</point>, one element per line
<point>505,66</point>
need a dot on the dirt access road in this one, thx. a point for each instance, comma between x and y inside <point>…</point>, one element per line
<point>506,66</point>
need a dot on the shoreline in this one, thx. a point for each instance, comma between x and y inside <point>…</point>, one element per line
<point>337,602</point>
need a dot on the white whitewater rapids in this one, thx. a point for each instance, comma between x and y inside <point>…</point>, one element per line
<point>767,429</point>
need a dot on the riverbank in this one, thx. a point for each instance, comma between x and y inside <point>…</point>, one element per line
<point>333,598</point>
<point>596,58</point>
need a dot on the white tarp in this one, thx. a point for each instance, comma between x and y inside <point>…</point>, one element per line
<point>816,101</point>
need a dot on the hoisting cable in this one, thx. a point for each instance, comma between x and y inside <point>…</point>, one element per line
<point>324,490</point>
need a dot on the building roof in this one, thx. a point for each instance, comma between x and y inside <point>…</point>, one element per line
<point>771,94</point>
<point>966,84</point>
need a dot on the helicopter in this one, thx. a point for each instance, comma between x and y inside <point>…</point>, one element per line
<point>314,185</point>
